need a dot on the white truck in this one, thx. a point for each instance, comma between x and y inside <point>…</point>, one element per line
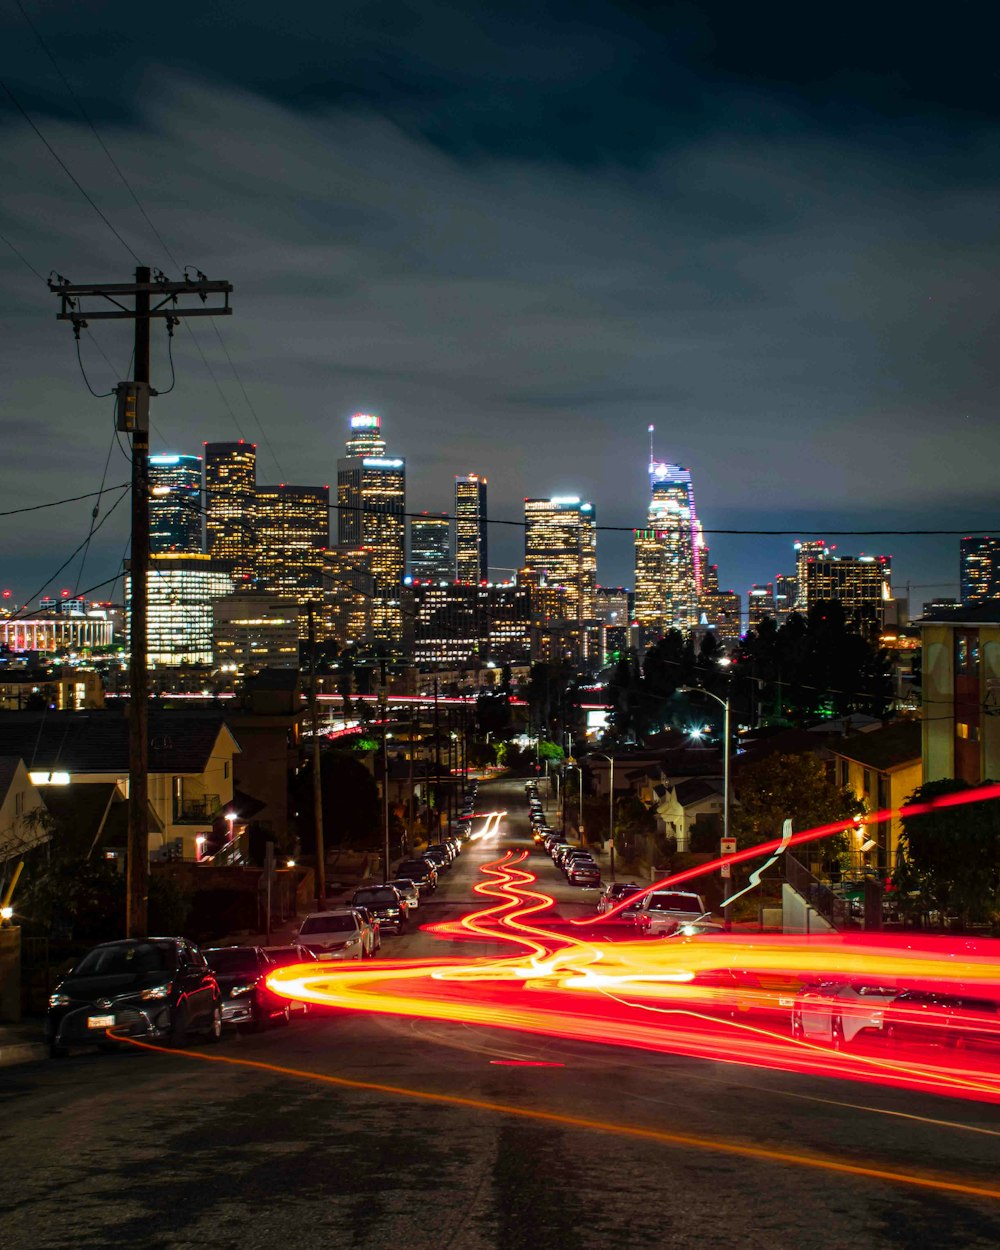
<point>665,912</point>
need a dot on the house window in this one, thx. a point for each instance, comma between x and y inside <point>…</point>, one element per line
<point>969,732</point>
<point>19,804</point>
<point>225,769</point>
<point>867,782</point>
<point>845,773</point>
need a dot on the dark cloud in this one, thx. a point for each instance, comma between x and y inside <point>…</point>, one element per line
<point>800,305</point>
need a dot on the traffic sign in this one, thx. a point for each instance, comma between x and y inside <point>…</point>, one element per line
<point>727,846</point>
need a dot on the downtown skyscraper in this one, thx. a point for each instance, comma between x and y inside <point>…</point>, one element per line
<point>430,547</point>
<point>175,504</point>
<point>293,533</point>
<point>471,562</point>
<point>230,507</point>
<point>371,514</point>
<point>560,545</point>
<point>670,554</point>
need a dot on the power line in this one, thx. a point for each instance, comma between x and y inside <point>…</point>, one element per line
<point>55,503</point>
<point>68,172</point>
<point>23,259</point>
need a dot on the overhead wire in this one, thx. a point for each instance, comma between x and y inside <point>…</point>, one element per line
<point>21,257</point>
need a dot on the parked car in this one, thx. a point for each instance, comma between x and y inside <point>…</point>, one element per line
<point>372,929</point>
<point>421,872</point>
<point>839,1012</point>
<point>443,848</point>
<point>287,957</point>
<point>241,972</point>
<point>384,902</point>
<point>583,872</point>
<point>616,892</point>
<point>440,858</point>
<point>576,856</point>
<point>160,989</point>
<point>336,934</point>
<point>409,890</point>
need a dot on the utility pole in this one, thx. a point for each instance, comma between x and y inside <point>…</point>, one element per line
<point>437,758</point>
<point>133,418</point>
<point>385,771</point>
<point>319,872</point>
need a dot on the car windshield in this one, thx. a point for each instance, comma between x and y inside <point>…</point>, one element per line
<point>233,963</point>
<point>675,902</point>
<point>328,924</point>
<point>286,955</point>
<point>125,957</point>
<point>415,865</point>
<point>404,887</point>
<point>376,898</point>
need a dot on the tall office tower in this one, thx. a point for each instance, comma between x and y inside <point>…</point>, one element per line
<point>253,631</point>
<point>651,607</point>
<point>442,622</point>
<point>348,592</point>
<point>760,604</point>
<point>366,435</point>
<point>505,619</point>
<point>175,504</point>
<point>720,609</point>
<point>371,513</point>
<point>560,544</point>
<point>430,548</point>
<point>672,512</point>
<point>786,594</point>
<point>806,550</point>
<point>860,583</point>
<point>293,533</point>
<point>471,563</point>
<point>980,569</point>
<point>613,605</point>
<point>180,592</point>
<point>230,507</point>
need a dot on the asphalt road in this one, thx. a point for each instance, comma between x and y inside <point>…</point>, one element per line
<point>163,1150</point>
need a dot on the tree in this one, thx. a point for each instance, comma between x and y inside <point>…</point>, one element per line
<point>352,813</point>
<point>782,787</point>
<point>951,854</point>
<point>493,713</point>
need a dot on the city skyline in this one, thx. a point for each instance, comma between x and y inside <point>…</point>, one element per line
<point>759,260</point>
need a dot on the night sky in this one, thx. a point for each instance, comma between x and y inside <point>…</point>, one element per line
<point>523,233</point>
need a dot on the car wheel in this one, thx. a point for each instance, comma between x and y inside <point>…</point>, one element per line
<point>181,1023</point>
<point>56,1051</point>
<point>215,1025</point>
<point>837,1038</point>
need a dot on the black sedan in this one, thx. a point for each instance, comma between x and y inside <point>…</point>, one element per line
<point>160,989</point>
<point>241,972</point>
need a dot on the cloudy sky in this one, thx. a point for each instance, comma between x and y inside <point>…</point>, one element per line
<point>523,233</point>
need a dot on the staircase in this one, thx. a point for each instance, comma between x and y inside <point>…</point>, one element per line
<point>809,906</point>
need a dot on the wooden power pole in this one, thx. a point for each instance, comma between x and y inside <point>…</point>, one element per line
<point>149,300</point>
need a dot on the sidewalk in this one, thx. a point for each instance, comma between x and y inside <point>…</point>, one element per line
<point>22,1043</point>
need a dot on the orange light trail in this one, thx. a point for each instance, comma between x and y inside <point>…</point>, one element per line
<point>667,996</point>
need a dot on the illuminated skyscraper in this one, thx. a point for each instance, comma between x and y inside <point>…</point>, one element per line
<point>471,563</point>
<point>786,594</point>
<point>230,502</point>
<point>760,604</point>
<point>371,513</point>
<point>860,583</point>
<point>430,547</point>
<point>180,592</point>
<point>175,504</point>
<point>672,513</point>
<point>650,546</point>
<point>560,543</point>
<point>720,609</point>
<point>253,631</point>
<point>980,569</point>
<point>806,550</point>
<point>293,532</point>
<point>348,592</point>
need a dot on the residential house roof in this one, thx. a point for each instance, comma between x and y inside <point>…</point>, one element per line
<point>883,749</point>
<point>97,741</point>
<point>695,790</point>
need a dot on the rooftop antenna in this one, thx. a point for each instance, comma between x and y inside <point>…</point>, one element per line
<point>651,456</point>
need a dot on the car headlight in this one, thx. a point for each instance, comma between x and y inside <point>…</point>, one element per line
<point>237,990</point>
<point>352,941</point>
<point>59,1000</point>
<point>157,991</point>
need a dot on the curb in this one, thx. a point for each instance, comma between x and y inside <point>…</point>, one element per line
<point>22,1052</point>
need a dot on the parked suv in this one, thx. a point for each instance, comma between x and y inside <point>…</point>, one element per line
<point>336,934</point>
<point>384,902</point>
<point>665,911</point>
<point>421,872</point>
<point>156,988</point>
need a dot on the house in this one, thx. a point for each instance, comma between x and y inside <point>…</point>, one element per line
<point>882,767</point>
<point>21,805</point>
<point>961,693</point>
<point>191,766</point>
<point>692,806</point>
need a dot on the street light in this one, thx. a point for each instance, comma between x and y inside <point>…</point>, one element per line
<point>565,794</point>
<point>724,703</point>
<point>611,806</point>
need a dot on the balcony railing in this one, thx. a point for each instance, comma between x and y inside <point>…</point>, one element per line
<point>818,895</point>
<point>196,811</point>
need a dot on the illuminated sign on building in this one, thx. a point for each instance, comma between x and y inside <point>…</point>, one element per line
<point>365,421</point>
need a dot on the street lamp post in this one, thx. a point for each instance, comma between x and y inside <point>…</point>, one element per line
<point>611,807</point>
<point>728,924</point>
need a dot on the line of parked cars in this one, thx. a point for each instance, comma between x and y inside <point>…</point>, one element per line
<point>576,862</point>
